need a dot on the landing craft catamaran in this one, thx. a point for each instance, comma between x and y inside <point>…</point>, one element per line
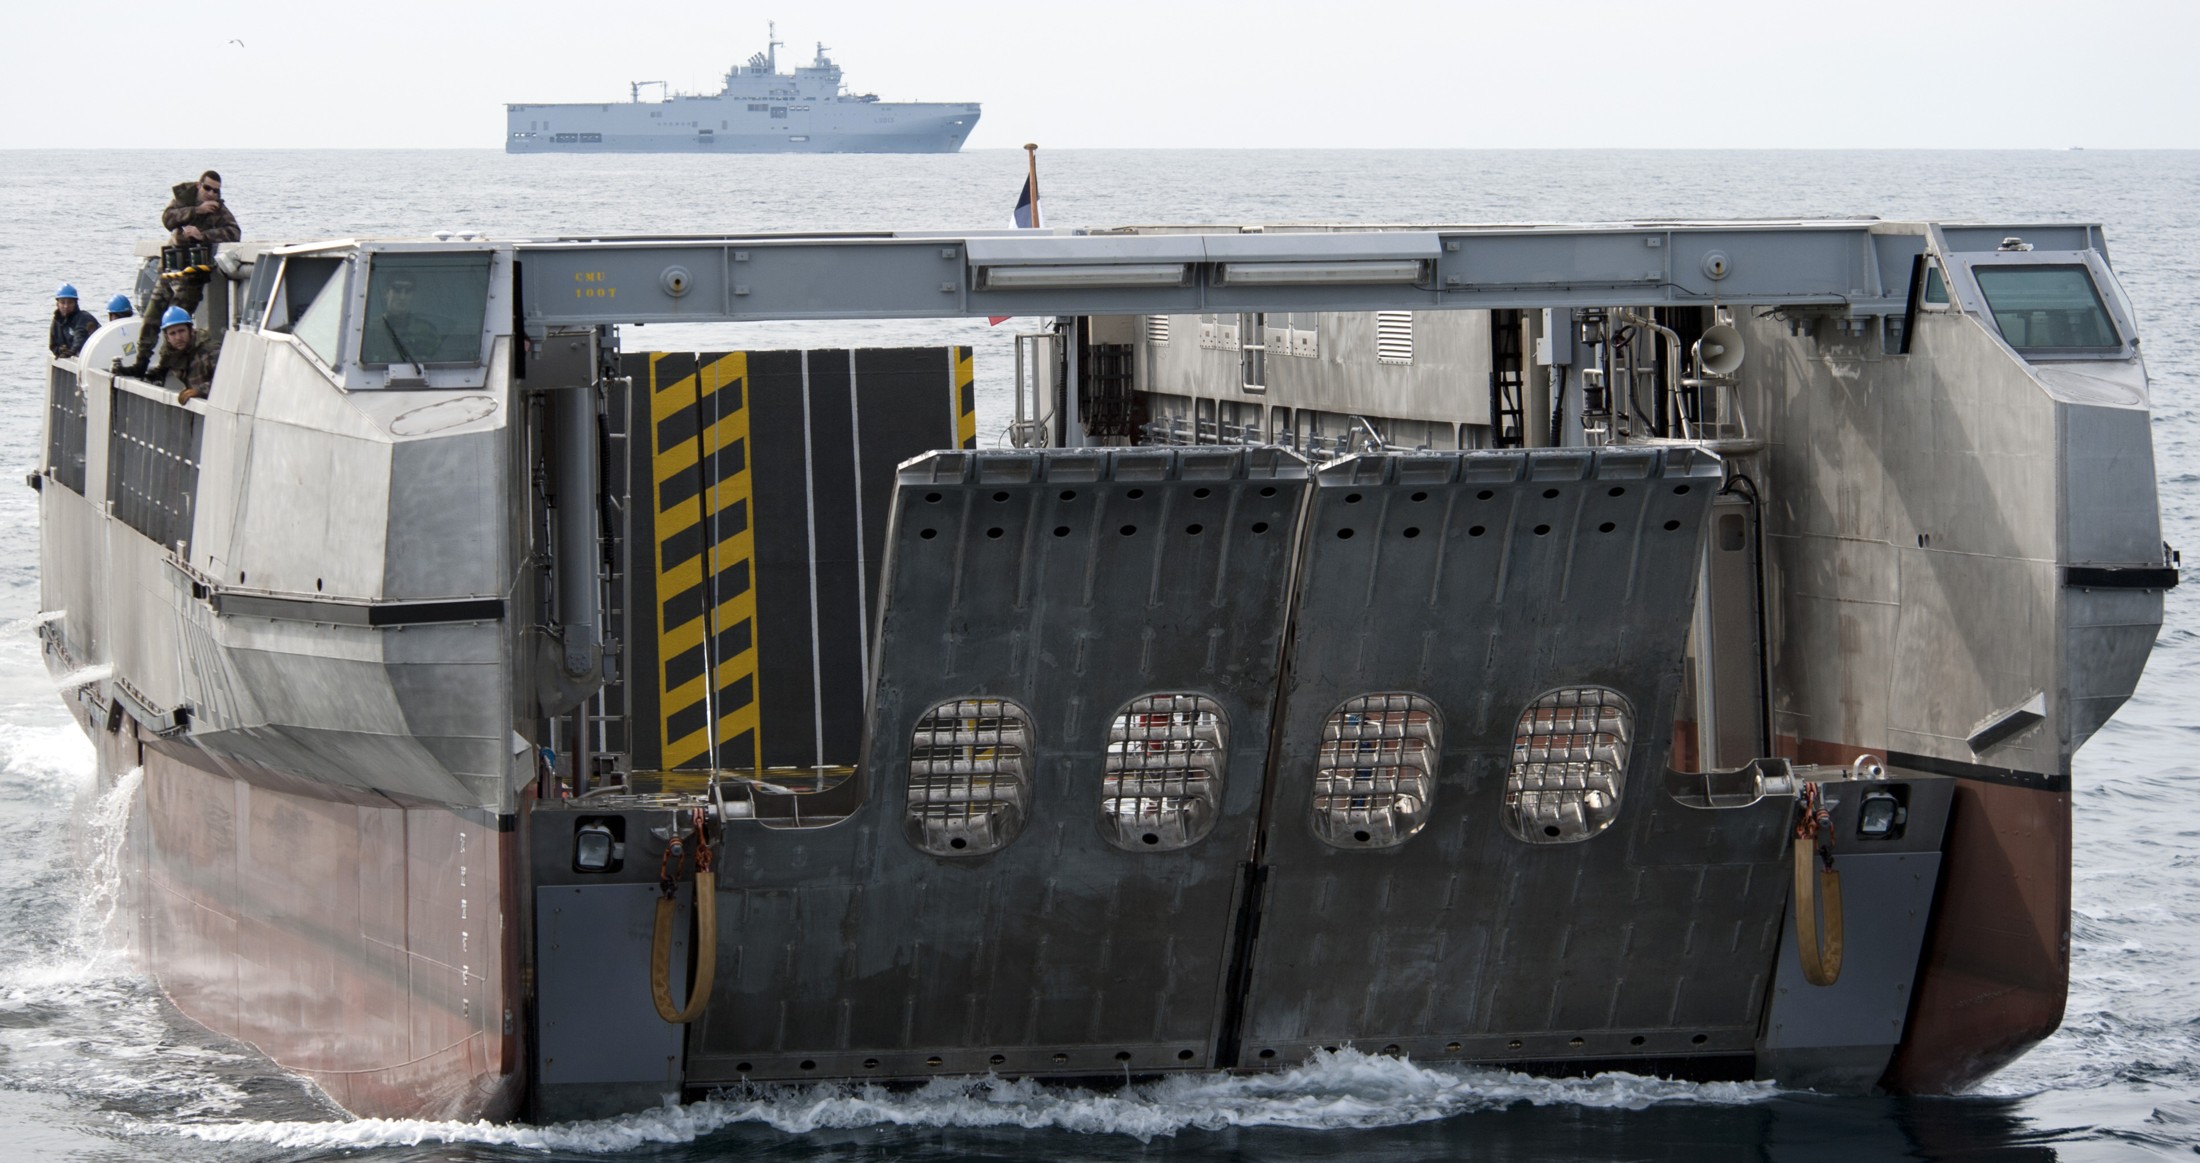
<point>1655,646</point>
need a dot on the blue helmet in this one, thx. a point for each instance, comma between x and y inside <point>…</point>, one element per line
<point>175,316</point>
<point>67,291</point>
<point>119,305</point>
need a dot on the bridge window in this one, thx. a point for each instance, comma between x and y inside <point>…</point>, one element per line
<point>969,777</point>
<point>319,324</point>
<point>1162,785</point>
<point>425,308</point>
<point>1376,772</point>
<point>1569,765</point>
<point>2046,308</point>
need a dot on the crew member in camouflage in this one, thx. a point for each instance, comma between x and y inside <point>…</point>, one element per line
<point>187,354</point>
<point>195,214</point>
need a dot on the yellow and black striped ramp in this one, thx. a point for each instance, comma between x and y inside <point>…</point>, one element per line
<point>965,373</point>
<point>702,565</point>
<point>753,562</point>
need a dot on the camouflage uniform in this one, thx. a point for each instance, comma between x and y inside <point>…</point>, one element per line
<point>217,226</point>
<point>194,363</point>
<point>67,335</point>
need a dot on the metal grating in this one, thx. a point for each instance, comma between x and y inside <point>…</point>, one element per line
<point>153,466</point>
<point>66,429</point>
<point>1253,351</point>
<point>1376,771</point>
<point>1162,784</point>
<point>1394,336</point>
<point>969,777</point>
<point>1157,330</point>
<point>1569,765</point>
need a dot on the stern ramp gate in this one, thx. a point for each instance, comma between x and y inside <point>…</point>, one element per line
<point>1082,761</point>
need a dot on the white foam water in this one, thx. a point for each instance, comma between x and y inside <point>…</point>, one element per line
<point>76,1019</point>
<point>107,828</point>
<point>51,762</point>
<point>1344,1089</point>
<point>15,626</point>
<point>97,672</point>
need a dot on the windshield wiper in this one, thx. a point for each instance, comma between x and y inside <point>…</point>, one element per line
<point>399,340</point>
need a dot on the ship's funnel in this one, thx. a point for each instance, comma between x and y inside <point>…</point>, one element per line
<point>1719,352</point>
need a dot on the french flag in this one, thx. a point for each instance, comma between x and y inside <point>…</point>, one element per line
<point>1027,207</point>
<point>1026,215</point>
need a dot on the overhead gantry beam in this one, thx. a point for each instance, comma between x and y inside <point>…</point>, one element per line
<point>1861,267</point>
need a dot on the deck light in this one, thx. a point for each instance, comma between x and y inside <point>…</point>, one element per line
<point>1064,277</point>
<point>1320,274</point>
<point>1880,816</point>
<point>595,849</point>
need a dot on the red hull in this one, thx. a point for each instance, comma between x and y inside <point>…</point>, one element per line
<point>1996,967</point>
<point>363,944</point>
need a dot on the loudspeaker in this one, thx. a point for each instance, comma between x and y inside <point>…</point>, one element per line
<point>1719,352</point>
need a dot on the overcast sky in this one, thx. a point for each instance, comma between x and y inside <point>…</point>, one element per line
<point>2028,74</point>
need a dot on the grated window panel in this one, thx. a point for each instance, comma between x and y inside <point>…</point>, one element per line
<point>969,777</point>
<point>153,466</point>
<point>1375,774</point>
<point>1394,336</point>
<point>1161,788</point>
<point>1569,765</point>
<point>1157,330</point>
<point>67,429</point>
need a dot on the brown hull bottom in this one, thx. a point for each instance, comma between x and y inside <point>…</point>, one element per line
<point>361,944</point>
<point>1996,966</point>
<point>1995,969</point>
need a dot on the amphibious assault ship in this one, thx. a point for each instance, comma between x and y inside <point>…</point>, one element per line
<point>1654,646</point>
<point>760,110</point>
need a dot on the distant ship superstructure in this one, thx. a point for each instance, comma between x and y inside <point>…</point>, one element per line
<point>760,110</point>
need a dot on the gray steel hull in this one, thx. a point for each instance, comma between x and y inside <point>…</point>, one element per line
<point>757,143</point>
<point>717,125</point>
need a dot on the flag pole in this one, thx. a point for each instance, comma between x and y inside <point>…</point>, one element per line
<point>1031,157</point>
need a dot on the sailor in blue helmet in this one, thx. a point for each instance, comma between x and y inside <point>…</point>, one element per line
<point>187,354</point>
<point>71,327</point>
<point>119,308</point>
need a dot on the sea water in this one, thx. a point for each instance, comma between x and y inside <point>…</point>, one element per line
<point>94,1064</point>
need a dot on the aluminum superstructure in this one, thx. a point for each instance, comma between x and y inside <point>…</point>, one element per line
<point>1654,645</point>
<point>760,110</point>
